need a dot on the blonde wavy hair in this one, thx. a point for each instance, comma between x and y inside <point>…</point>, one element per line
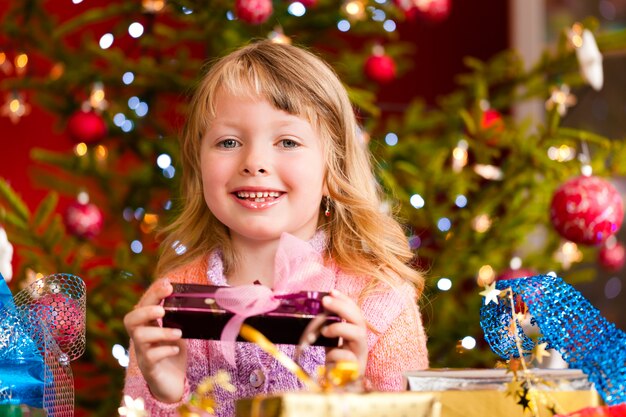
<point>363,240</point>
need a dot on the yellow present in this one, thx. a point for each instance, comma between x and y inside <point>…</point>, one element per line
<point>498,404</point>
<point>493,392</point>
<point>375,404</point>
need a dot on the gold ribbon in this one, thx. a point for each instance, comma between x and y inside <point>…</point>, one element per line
<point>254,336</point>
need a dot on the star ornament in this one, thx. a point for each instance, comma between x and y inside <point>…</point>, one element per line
<point>515,388</point>
<point>539,352</point>
<point>561,99</point>
<point>15,107</point>
<point>490,293</point>
<point>132,407</point>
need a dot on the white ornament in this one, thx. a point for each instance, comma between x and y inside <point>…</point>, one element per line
<point>590,60</point>
<point>6,255</point>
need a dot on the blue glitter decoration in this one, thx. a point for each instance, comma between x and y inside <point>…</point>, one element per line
<point>38,341</point>
<point>570,324</point>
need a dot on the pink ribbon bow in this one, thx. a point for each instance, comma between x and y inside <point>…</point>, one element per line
<point>297,267</point>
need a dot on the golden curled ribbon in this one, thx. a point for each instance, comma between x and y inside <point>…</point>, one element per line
<point>254,336</point>
<point>340,374</point>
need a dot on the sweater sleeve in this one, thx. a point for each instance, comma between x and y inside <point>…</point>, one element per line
<point>402,347</point>
<point>136,386</point>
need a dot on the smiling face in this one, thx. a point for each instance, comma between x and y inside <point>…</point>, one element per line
<point>262,170</point>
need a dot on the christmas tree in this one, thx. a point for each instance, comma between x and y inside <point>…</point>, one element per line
<point>473,184</point>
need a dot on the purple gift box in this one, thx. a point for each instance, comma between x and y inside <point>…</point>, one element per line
<point>193,309</point>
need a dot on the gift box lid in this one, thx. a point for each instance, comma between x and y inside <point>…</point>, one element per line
<point>492,379</point>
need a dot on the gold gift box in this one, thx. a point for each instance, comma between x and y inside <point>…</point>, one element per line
<point>479,393</point>
<point>497,404</point>
<point>375,404</point>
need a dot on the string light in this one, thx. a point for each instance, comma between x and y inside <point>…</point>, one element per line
<point>120,354</point>
<point>486,275</point>
<point>444,224</point>
<point>153,6</point>
<point>417,201</point>
<point>562,153</point>
<point>5,64</point>
<point>389,25</point>
<point>296,9</point>
<point>149,222</point>
<point>576,35</point>
<point>164,160</point>
<point>20,62</point>
<point>128,78</point>
<point>515,263</point>
<point>459,156</point>
<point>106,41</point>
<point>101,153</point>
<point>355,9</point>
<point>80,149</point>
<point>136,246</point>
<point>460,201</point>
<point>444,284</point>
<point>489,172</point>
<point>135,29</point>
<point>57,71</point>
<point>391,139</point>
<point>96,98</point>
<point>468,342</point>
<point>481,223</point>
<point>343,25</point>
<point>378,15</point>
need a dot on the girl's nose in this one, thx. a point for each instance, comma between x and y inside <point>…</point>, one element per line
<point>255,163</point>
<point>254,171</point>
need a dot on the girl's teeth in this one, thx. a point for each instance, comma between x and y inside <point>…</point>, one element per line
<point>258,196</point>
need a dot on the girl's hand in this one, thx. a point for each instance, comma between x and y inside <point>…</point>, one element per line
<point>161,352</point>
<point>353,331</point>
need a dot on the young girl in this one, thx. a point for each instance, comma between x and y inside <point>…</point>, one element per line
<point>272,146</point>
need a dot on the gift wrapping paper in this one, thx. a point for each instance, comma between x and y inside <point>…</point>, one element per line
<point>375,404</point>
<point>497,404</point>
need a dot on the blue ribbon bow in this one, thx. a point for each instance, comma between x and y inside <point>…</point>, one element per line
<point>570,324</point>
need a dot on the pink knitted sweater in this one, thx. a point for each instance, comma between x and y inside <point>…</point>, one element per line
<point>396,342</point>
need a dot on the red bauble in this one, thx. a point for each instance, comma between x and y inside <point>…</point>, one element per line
<point>380,68</point>
<point>254,12</point>
<point>305,3</point>
<point>63,316</point>
<point>408,7</point>
<point>86,126</point>
<point>434,10</point>
<point>492,121</point>
<point>83,220</point>
<point>587,210</point>
<point>515,273</point>
<point>612,257</point>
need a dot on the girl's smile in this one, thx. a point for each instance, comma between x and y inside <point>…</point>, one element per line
<point>258,199</point>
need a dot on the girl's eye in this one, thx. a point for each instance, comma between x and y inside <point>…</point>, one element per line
<point>289,143</point>
<point>228,143</point>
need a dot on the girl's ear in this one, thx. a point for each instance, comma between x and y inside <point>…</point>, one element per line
<point>325,191</point>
